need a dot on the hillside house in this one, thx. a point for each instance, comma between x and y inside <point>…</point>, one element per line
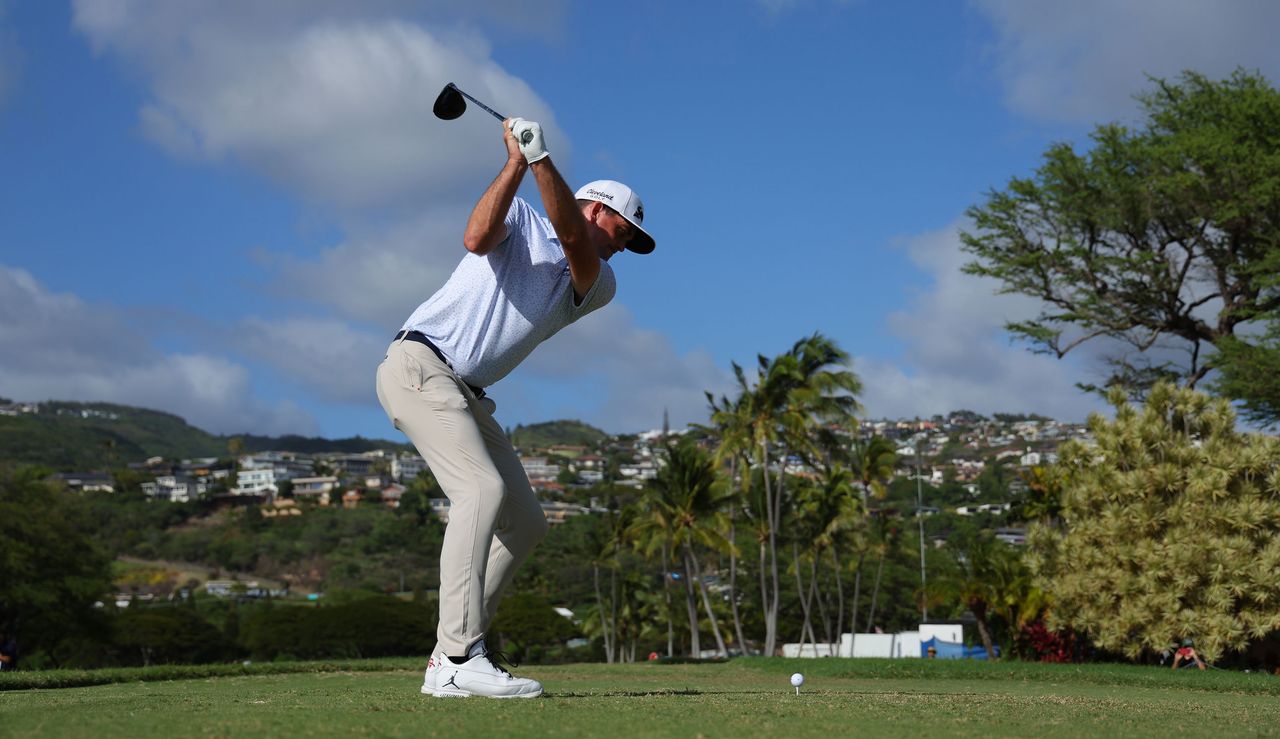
<point>88,482</point>
<point>174,488</point>
<point>314,488</point>
<point>407,466</point>
<point>537,468</point>
<point>256,481</point>
<point>391,495</point>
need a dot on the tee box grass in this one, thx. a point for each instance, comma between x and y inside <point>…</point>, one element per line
<point>741,698</point>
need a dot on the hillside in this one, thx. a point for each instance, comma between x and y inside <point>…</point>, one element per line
<point>550,433</point>
<point>85,436</point>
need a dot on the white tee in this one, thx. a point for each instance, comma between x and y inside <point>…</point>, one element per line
<point>495,309</point>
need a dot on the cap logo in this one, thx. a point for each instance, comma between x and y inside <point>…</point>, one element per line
<point>639,212</point>
<point>600,194</point>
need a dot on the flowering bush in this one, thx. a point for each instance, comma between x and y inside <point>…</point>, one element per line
<point>1036,642</point>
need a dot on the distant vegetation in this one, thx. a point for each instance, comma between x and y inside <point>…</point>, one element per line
<point>573,433</point>
<point>86,436</point>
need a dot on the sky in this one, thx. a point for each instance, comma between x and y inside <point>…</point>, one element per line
<point>225,210</point>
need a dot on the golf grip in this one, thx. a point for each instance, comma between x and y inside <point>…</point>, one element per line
<point>528,135</point>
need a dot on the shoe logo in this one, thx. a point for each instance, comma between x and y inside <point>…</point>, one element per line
<point>431,663</point>
<point>451,681</point>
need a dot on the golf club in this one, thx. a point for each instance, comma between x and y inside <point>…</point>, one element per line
<point>450,104</point>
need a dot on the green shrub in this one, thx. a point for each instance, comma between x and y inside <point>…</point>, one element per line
<point>169,635</point>
<point>377,626</point>
<point>530,629</point>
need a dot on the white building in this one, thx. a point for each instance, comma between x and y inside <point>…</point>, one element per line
<point>537,468</point>
<point>407,466</point>
<point>639,471</point>
<point>256,481</point>
<point>317,488</point>
<point>174,488</point>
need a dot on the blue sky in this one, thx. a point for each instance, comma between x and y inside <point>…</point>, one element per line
<point>225,209</point>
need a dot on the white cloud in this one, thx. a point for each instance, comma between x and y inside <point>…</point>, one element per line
<point>331,101</point>
<point>625,376</point>
<point>329,357</point>
<point>958,354</point>
<point>377,276</point>
<point>57,347</point>
<point>1084,61</point>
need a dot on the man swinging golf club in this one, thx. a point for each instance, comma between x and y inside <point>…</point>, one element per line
<point>524,278</point>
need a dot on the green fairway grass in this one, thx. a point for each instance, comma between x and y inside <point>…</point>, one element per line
<point>741,698</point>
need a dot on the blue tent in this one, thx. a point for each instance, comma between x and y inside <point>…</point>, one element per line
<point>952,650</point>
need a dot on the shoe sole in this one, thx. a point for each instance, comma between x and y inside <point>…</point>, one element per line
<point>464,694</point>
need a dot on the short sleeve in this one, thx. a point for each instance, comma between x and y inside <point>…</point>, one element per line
<point>599,295</point>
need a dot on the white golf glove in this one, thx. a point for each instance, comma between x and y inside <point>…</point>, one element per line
<point>529,135</point>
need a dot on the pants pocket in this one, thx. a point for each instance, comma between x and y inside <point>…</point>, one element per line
<point>442,391</point>
<point>411,371</point>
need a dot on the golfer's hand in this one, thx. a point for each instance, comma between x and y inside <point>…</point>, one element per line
<point>528,136</point>
<point>513,146</point>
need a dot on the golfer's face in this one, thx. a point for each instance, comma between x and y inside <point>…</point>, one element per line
<point>616,230</point>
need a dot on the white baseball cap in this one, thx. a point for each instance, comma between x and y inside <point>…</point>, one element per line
<point>626,202</point>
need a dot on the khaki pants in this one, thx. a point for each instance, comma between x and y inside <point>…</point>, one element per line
<point>494,517</point>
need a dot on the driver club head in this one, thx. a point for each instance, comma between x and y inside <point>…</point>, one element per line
<point>450,104</point>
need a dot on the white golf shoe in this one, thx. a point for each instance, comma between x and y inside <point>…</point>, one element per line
<point>434,665</point>
<point>480,676</point>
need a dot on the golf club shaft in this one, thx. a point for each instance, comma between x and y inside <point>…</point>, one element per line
<point>449,112</point>
<point>492,112</point>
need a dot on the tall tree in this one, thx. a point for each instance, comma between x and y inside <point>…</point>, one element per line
<point>605,543</point>
<point>1161,240</point>
<point>685,516</point>
<point>885,539</point>
<point>52,568</point>
<point>1170,529</point>
<point>977,580</point>
<point>732,427</point>
<point>872,462</point>
<point>826,509</point>
<point>793,394</point>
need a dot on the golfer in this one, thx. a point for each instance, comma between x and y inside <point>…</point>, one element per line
<point>524,278</point>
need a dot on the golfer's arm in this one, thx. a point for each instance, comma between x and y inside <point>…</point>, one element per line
<point>571,228</point>
<point>486,228</point>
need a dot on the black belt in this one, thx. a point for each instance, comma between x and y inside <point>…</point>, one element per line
<point>421,338</point>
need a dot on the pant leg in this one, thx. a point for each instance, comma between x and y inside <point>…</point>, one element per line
<point>426,401</point>
<point>521,523</point>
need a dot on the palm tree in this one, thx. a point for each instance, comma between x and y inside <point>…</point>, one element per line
<point>977,580</point>
<point>826,510</point>
<point>886,539</point>
<point>873,461</point>
<point>605,544</point>
<point>793,395</point>
<point>731,425</point>
<point>684,513</point>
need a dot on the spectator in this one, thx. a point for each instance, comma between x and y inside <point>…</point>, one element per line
<point>8,652</point>
<point>1187,653</point>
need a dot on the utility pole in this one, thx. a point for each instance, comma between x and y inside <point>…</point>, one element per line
<point>924,598</point>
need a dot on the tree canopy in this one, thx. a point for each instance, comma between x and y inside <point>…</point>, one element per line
<point>52,569</point>
<point>1170,529</point>
<point>1161,242</point>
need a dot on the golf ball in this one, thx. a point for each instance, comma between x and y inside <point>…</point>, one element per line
<point>797,680</point>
